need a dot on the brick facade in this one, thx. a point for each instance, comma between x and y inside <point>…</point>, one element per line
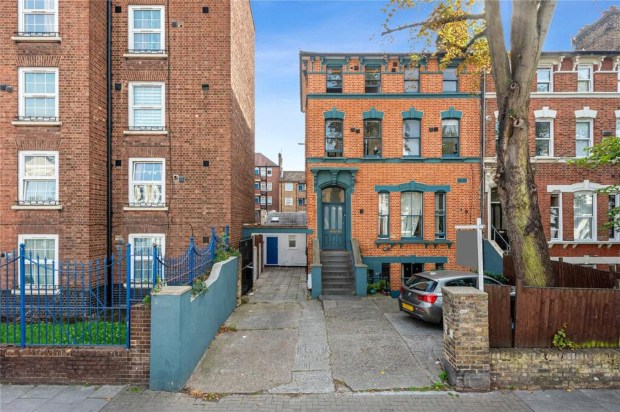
<point>266,185</point>
<point>554,176</point>
<point>603,34</point>
<point>84,365</point>
<point>293,200</point>
<point>458,177</point>
<point>207,142</point>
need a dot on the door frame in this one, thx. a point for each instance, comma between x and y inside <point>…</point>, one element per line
<point>347,213</point>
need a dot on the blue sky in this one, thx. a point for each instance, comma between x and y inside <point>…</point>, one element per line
<point>283,28</point>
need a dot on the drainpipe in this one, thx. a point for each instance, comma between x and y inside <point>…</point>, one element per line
<point>483,115</point>
<point>109,247</point>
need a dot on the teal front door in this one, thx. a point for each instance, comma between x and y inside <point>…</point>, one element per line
<point>334,219</point>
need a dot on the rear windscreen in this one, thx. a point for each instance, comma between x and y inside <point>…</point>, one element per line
<point>420,283</point>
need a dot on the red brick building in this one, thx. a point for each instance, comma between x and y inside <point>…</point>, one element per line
<point>181,125</point>
<point>266,186</point>
<point>392,158</point>
<point>293,191</point>
<point>575,102</point>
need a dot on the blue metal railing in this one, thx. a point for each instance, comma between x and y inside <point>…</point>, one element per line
<point>44,302</point>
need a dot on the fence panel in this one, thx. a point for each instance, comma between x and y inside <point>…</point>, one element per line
<point>500,320</point>
<point>570,276</point>
<point>44,302</point>
<point>247,269</point>
<point>589,315</point>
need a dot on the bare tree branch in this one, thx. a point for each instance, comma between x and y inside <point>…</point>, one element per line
<point>545,12</point>
<point>438,21</point>
<point>471,42</point>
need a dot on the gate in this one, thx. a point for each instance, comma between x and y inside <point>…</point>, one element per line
<point>247,268</point>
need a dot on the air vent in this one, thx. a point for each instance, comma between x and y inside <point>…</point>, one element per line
<point>205,163</point>
<point>118,163</point>
<point>205,9</point>
<point>118,9</point>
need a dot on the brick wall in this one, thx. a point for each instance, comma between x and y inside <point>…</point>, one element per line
<point>83,365</point>
<point>466,338</point>
<point>533,369</point>
<point>604,34</point>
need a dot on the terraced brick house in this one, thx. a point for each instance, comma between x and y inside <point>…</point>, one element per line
<point>392,160</point>
<point>266,186</point>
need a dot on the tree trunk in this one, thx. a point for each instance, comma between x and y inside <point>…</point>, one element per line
<point>515,179</point>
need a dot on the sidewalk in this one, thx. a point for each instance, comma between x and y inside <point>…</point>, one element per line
<point>49,398</point>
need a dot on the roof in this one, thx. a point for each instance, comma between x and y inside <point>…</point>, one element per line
<point>608,15</point>
<point>298,219</point>
<point>262,160</point>
<point>294,176</point>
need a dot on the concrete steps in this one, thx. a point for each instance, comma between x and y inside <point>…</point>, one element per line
<point>337,273</point>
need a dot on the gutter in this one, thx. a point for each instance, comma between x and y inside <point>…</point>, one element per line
<point>483,131</point>
<point>109,247</point>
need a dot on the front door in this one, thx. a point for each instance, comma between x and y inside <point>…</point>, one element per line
<point>334,218</point>
<point>272,251</point>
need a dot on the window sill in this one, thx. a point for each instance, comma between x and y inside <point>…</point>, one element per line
<point>149,56</point>
<point>574,243</point>
<point>37,292</point>
<point>145,132</point>
<point>28,123</point>
<point>36,39</point>
<point>36,207</point>
<point>413,241</point>
<point>145,209</point>
<point>139,285</point>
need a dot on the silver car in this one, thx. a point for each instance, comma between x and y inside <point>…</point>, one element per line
<point>420,295</point>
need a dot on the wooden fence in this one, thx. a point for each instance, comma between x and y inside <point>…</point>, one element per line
<point>570,276</point>
<point>590,315</point>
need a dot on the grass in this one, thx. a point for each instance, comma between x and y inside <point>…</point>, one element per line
<point>79,333</point>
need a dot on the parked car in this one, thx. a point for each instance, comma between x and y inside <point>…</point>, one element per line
<point>420,295</point>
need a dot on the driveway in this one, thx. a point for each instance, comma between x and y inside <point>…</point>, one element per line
<point>282,342</point>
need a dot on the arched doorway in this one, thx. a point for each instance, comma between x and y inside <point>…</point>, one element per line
<point>334,218</point>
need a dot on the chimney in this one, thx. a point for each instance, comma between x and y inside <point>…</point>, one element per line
<point>280,161</point>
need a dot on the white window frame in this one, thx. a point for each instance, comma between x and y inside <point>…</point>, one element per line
<point>594,213</point>
<point>21,86</point>
<point>21,239</point>
<point>263,171</point>
<point>551,132</point>
<point>269,172</point>
<point>269,200</point>
<point>288,201</point>
<point>269,186</point>
<point>162,251</point>
<point>590,80</point>
<point>131,162</point>
<point>263,200</point>
<point>263,186</point>
<point>132,30</point>
<point>560,218</point>
<point>294,239</point>
<point>618,122</point>
<point>288,187</point>
<point>591,137</point>
<point>132,85</point>
<point>22,171</point>
<point>545,67</point>
<point>21,23</point>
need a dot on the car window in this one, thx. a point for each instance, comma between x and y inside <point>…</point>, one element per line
<point>462,282</point>
<point>420,283</point>
<point>490,281</point>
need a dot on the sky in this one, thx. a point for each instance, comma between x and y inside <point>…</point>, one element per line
<point>283,28</point>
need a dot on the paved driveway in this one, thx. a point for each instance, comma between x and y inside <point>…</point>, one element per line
<point>286,343</point>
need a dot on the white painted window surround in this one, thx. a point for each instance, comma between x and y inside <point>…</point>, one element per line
<point>41,271</point>
<point>618,122</point>
<point>38,92</point>
<point>584,130</point>
<point>544,116</point>
<point>38,17</point>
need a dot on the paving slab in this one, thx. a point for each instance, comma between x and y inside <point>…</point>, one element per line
<point>43,392</point>
<point>246,362</point>
<point>74,394</point>
<point>107,391</point>
<point>25,404</point>
<point>266,316</point>
<point>9,393</point>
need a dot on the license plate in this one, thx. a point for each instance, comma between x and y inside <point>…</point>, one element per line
<point>408,307</point>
